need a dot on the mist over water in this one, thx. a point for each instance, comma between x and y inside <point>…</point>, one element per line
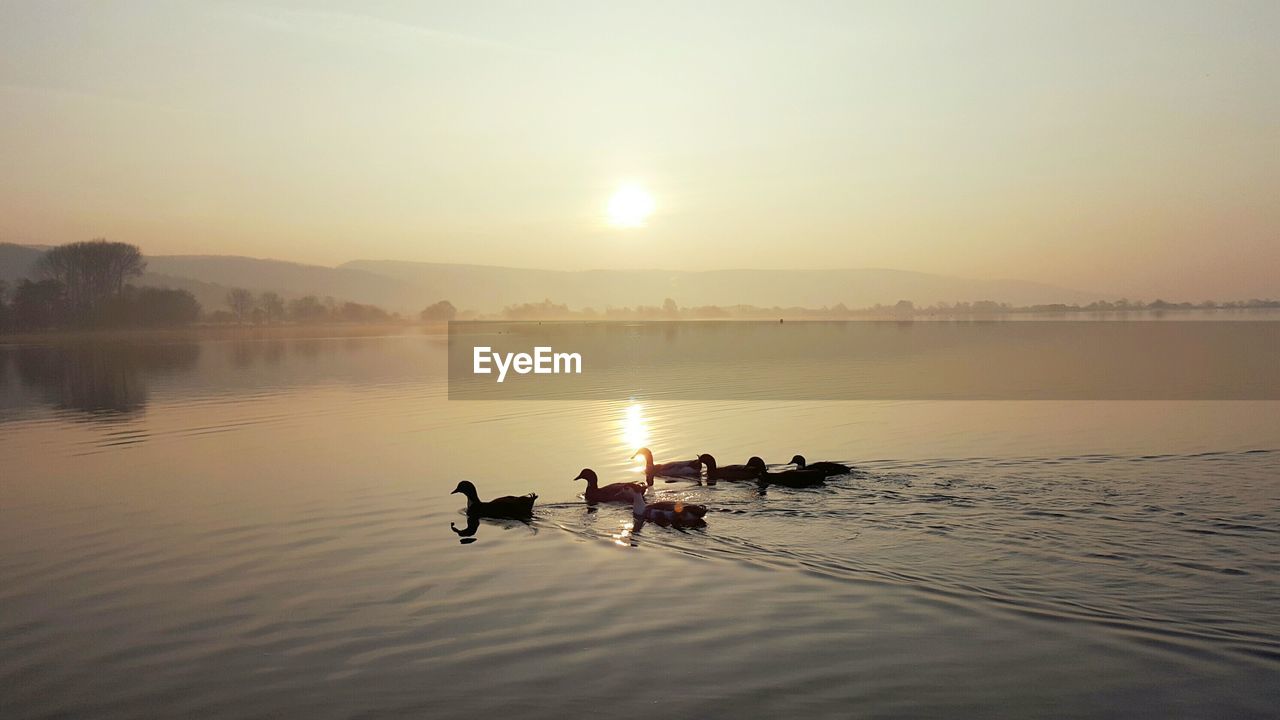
<point>232,529</point>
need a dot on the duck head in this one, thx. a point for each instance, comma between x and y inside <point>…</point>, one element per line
<point>798,461</point>
<point>757,464</point>
<point>466,488</point>
<point>638,505</point>
<point>589,475</point>
<point>708,461</point>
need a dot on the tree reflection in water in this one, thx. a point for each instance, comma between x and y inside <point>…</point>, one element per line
<point>98,378</point>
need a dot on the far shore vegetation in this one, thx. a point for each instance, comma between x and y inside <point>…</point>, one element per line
<point>82,290</point>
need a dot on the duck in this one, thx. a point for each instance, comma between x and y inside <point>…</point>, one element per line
<point>667,512</point>
<point>752,470</point>
<point>614,492</point>
<point>792,478</point>
<point>827,468</point>
<point>507,507</point>
<point>676,468</point>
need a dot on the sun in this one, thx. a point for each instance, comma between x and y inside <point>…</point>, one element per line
<point>629,206</point>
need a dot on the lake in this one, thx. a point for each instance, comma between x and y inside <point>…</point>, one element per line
<point>228,529</point>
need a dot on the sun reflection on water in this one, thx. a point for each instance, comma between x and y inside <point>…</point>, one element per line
<point>623,536</point>
<point>635,428</point>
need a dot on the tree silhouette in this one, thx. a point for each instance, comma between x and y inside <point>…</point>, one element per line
<point>151,307</point>
<point>272,306</point>
<point>5,319</point>
<point>442,311</point>
<point>359,313</point>
<point>241,303</point>
<point>308,309</point>
<point>39,304</point>
<point>91,272</point>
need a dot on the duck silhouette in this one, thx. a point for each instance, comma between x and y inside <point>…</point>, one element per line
<point>676,468</point>
<point>750,471</point>
<point>507,507</point>
<point>823,466</point>
<point>614,492</point>
<point>792,478</point>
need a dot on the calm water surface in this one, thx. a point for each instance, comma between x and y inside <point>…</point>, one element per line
<point>254,529</point>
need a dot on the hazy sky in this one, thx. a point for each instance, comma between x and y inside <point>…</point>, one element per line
<point>1128,147</point>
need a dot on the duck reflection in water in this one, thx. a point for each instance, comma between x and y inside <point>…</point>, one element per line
<point>627,533</point>
<point>467,535</point>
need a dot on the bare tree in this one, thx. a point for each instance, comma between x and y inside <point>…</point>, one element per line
<point>272,306</point>
<point>92,272</point>
<point>308,309</point>
<point>241,303</point>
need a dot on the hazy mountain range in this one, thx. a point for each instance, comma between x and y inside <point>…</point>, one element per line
<point>409,286</point>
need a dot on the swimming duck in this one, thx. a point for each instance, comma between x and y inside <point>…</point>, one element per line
<point>793,478</point>
<point>666,512</point>
<point>614,492</point>
<point>752,470</point>
<point>509,506</point>
<point>827,468</point>
<point>677,468</point>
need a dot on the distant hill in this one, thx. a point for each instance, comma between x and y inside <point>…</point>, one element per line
<point>291,279</point>
<point>16,262</point>
<point>409,286</point>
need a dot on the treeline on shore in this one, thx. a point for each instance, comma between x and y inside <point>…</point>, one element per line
<point>270,308</point>
<point>670,310</point>
<point>85,285</point>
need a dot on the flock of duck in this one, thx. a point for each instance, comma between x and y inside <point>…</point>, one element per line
<point>664,512</point>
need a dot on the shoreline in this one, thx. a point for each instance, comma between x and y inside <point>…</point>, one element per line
<point>226,332</point>
<point>355,330</point>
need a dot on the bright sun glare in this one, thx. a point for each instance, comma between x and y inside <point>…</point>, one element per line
<point>635,429</point>
<point>629,206</point>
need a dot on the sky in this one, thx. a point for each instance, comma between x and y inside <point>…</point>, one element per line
<point>1124,148</point>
